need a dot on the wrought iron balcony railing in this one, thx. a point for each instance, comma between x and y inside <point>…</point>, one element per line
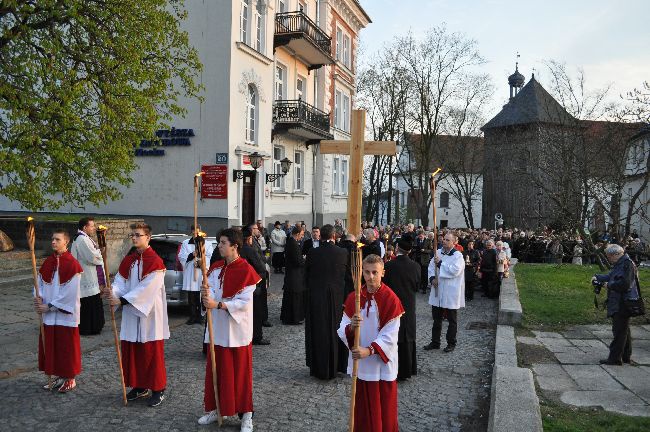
<point>296,25</point>
<point>297,114</point>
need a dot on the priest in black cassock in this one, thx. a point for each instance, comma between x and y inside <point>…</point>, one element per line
<point>293,297</point>
<point>325,273</point>
<point>402,275</point>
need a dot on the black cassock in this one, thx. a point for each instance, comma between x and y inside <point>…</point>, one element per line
<point>403,277</point>
<point>325,274</point>
<point>293,297</point>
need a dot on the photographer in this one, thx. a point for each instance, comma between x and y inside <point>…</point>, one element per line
<point>622,284</point>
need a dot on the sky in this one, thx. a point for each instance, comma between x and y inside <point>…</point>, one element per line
<point>608,39</point>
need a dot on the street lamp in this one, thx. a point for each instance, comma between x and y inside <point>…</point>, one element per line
<point>285,165</point>
<point>255,160</point>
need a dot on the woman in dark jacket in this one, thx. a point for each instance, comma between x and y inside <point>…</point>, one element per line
<point>622,284</point>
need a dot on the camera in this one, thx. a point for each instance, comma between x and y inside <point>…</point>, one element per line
<point>597,285</point>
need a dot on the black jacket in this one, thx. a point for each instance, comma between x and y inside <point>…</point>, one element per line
<point>308,245</point>
<point>403,277</point>
<point>622,284</point>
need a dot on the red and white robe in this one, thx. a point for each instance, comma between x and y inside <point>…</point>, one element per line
<point>141,282</point>
<point>375,408</point>
<point>233,285</point>
<point>59,284</point>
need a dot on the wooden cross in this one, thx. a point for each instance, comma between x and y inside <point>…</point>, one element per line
<point>357,148</point>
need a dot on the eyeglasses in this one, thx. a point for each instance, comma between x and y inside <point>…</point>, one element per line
<point>137,235</point>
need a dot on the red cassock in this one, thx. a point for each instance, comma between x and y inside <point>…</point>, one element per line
<point>140,281</point>
<point>375,408</point>
<point>233,285</point>
<point>59,279</point>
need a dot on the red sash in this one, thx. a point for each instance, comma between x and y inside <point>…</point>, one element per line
<point>150,262</point>
<point>67,265</point>
<point>388,305</point>
<point>235,276</point>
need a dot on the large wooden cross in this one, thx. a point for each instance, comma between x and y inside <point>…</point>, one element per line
<point>357,148</point>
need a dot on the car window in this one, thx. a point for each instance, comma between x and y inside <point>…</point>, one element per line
<point>166,251</point>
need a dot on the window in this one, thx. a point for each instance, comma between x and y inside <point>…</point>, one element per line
<point>339,42</point>
<point>402,200</point>
<point>346,50</point>
<point>251,114</point>
<point>302,5</point>
<point>243,21</point>
<point>280,80</point>
<point>344,177</point>
<point>337,109</point>
<point>282,6</point>
<point>341,111</point>
<point>278,155</point>
<point>346,113</point>
<point>301,88</point>
<point>335,176</point>
<point>297,171</point>
<point>444,200</point>
<point>260,21</point>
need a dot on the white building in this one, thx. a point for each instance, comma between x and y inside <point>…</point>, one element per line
<point>636,169</point>
<point>279,76</point>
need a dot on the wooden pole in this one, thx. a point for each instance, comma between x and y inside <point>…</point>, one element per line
<point>101,241</point>
<point>199,252</point>
<point>196,218</point>
<point>356,274</point>
<point>432,184</point>
<point>31,240</point>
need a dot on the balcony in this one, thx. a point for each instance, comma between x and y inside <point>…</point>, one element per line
<point>300,34</point>
<point>298,118</point>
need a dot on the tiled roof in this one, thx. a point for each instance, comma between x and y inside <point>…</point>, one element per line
<point>533,104</point>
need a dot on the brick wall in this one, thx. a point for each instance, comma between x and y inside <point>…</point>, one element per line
<point>117,240</point>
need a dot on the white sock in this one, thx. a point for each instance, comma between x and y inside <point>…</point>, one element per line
<point>247,416</point>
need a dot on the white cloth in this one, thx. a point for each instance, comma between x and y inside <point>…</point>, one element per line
<point>372,368</point>
<point>189,282</point>
<point>144,319</point>
<point>278,240</point>
<point>502,258</point>
<point>85,250</point>
<point>383,249</point>
<point>61,296</point>
<point>233,327</point>
<point>451,281</point>
<point>506,247</point>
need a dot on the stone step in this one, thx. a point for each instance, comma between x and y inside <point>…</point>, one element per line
<point>21,280</point>
<point>16,272</point>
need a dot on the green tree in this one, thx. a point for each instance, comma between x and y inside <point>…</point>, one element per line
<point>81,82</point>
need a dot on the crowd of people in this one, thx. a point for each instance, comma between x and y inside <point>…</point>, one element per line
<point>318,292</point>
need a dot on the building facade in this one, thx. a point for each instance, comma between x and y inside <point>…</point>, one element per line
<point>279,76</point>
<point>636,171</point>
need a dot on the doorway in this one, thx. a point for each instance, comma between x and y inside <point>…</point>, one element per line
<point>248,198</point>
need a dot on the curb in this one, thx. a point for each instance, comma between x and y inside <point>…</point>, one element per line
<point>513,400</point>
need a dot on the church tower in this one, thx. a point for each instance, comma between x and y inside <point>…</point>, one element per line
<point>516,81</point>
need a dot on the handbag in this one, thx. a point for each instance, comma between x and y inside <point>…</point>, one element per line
<point>635,307</point>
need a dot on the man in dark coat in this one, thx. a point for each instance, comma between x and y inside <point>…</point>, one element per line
<point>253,257</point>
<point>293,297</point>
<point>489,270</point>
<point>472,262</point>
<point>349,243</point>
<point>325,274</point>
<point>403,277</point>
<point>372,246</point>
<point>312,242</point>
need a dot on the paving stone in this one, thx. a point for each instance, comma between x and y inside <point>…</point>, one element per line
<point>634,378</point>
<point>528,340</point>
<point>591,377</point>
<point>579,357</point>
<point>448,389</point>
<point>557,345</point>
<point>591,343</point>
<point>553,377</point>
<point>639,332</point>
<point>620,401</point>
<point>543,334</point>
<point>640,355</point>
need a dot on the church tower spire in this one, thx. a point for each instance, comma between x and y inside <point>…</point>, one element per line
<point>516,80</point>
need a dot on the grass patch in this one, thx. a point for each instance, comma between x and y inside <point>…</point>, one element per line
<point>563,418</point>
<point>555,296</point>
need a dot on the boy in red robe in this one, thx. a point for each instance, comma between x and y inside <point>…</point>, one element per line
<point>59,281</point>
<point>375,408</point>
<point>228,296</point>
<point>139,287</point>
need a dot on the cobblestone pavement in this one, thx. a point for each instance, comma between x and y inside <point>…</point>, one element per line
<point>450,392</point>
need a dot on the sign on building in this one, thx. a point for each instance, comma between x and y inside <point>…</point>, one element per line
<point>214,183</point>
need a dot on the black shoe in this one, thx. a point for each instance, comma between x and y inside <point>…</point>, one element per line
<point>262,342</point>
<point>267,324</point>
<point>628,361</point>
<point>137,393</point>
<point>198,320</point>
<point>431,346</point>
<point>611,363</point>
<point>190,321</point>
<point>156,398</point>
<point>449,348</point>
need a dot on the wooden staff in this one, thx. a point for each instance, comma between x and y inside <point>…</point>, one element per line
<point>197,176</point>
<point>432,184</point>
<point>199,252</point>
<point>101,241</point>
<point>356,276</point>
<point>31,240</point>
